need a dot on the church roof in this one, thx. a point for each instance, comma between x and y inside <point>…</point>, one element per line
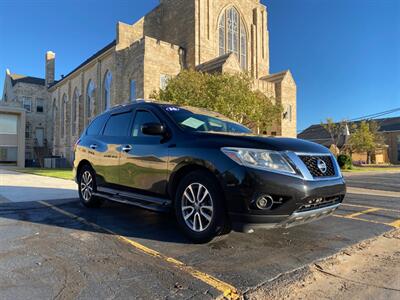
<point>277,77</point>
<point>214,65</point>
<point>16,78</point>
<point>94,56</point>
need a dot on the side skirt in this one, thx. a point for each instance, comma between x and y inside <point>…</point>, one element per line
<point>139,200</point>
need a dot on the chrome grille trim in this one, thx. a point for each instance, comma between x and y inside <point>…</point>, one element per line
<point>305,172</point>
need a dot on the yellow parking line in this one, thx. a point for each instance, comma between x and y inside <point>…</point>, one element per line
<point>364,220</point>
<point>395,224</point>
<point>228,290</point>
<point>369,210</point>
<point>366,206</point>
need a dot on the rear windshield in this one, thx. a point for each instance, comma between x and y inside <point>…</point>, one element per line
<point>200,120</point>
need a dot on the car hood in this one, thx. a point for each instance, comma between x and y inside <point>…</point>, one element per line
<point>262,142</point>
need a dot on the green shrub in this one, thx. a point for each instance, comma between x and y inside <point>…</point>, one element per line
<point>229,94</point>
<point>345,161</point>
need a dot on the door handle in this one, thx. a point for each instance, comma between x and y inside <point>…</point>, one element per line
<point>93,146</point>
<point>127,148</point>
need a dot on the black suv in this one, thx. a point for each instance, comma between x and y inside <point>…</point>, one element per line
<point>211,171</point>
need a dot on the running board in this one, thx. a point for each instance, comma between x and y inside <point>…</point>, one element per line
<point>143,201</point>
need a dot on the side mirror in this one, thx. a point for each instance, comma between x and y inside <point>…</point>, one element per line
<point>153,129</point>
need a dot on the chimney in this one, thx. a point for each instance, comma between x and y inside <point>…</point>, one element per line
<point>50,67</point>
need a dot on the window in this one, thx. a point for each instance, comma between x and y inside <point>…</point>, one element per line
<point>133,91</point>
<point>233,36</point>
<point>107,90</point>
<point>28,131</point>
<point>8,154</point>
<point>222,35</point>
<point>164,81</point>
<point>118,125</point>
<point>97,125</point>
<point>39,105</point>
<point>54,109</point>
<point>74,107</point>
<point>142,117</point>
<point>62,113</point>
<point>27,103</point>
<point>8,124</point>
<point>90,99</point>
<point>287,115</point>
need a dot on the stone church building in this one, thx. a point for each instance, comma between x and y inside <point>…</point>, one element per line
<point>205,35</point>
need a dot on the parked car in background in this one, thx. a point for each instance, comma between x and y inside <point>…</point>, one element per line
<point>211,171</point>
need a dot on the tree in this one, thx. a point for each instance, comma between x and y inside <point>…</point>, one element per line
<point>230,95</point>
<point>337,132</point>
<point>366,138</point>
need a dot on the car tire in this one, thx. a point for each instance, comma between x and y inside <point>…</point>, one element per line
<point>87,187</point>
<point>199,207</point>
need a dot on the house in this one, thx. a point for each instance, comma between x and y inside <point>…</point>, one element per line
<point>389,127</point>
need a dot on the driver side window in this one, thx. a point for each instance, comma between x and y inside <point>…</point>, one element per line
<point>143,117</point>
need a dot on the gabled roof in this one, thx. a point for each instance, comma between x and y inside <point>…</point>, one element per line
<point>214,65</point>
<point>277,77</point>
<point>94,56</point>
<point>16,78</point>
<point>389,124</point>
<point>319,134</point>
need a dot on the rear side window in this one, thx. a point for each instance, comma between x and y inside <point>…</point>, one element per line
<point>97,125</point>
<point>142,117</point>
<point>118,125</point>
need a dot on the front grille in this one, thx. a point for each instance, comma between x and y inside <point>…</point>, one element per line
<point>311,163</point>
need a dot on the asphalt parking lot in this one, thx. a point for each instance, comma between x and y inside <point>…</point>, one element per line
<point>56,249</point>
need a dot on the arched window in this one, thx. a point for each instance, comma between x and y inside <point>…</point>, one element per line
<point>233,35</point>
<point>288,114</point>
<point>54,110</point>
<point>62,119</point>
<point>74,107</point>
<point>107,90</point>
<point>89,99</point>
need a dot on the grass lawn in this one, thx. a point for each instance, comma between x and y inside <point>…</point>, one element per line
<point>372,169</point>
<point>57,173</point>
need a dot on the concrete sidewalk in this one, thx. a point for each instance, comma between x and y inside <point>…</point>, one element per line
<point>21,187</point>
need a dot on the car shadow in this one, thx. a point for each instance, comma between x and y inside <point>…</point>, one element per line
<point>121,219</point>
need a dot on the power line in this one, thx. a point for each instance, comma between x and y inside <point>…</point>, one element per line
<point>372,116</point>
<point>376,115</point>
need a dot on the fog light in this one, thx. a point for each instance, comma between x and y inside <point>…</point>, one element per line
<point>265,202</point>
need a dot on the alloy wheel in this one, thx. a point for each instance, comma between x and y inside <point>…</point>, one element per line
<point>197,207</point>
<point>87,186</point>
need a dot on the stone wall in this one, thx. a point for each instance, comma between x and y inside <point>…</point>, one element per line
<point>94,72</point>
<point>129,65</point>
<point>160,59</point>
<point>288,100</point>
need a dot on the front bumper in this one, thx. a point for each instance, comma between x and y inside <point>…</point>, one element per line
<point>243,186</point>
<point>297,218</point>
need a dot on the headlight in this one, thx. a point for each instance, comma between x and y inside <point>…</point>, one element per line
<point>259,159</point>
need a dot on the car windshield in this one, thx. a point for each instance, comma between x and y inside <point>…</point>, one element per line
<point>200,120</point>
